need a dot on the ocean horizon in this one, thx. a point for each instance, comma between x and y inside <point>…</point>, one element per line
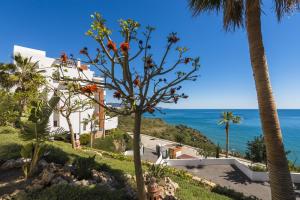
<point>206,121</point>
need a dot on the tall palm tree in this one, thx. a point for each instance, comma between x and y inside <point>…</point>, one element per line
<point>225,119</point>
<point>25,77</point>
<point>235,14</point>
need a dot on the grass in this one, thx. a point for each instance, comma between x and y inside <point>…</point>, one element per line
<point>189,189</point>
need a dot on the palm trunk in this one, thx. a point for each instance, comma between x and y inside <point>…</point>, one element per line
<point>137,156</point>
<point>71,131</point>
<point>227,139</point>
<point>35,155</point>
<point>280,178</point>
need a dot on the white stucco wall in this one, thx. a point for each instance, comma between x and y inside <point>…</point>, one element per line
<point>46,64</point>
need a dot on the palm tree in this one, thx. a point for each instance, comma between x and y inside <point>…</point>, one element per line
<point>235,14</point>
<point>93,120</point>
<point>225,119</point>
<point>25,76</point>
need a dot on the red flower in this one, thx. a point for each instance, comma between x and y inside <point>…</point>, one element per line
<point>84,51</point>
<point>137,81</point>
<point>90,88</point>
<point>172,91</point>
<point>64,57</point>
<point>125,47</point>
<point>149,62</point>
<point>93,87</point>
<point>187,60</point>
<point>111,46</point>
<point>173,38</point>
<point>150,109</point>
<point>117,94</point>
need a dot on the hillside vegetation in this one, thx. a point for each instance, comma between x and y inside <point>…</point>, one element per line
<point>158,128</point>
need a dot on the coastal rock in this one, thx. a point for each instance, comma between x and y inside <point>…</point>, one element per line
<point>10,164</point>
<point>46,176</point>
<point>17,194</point>
<point>58,180</point>
<point>35,186</point>
<point>102,177</point>
<point>43,163</point>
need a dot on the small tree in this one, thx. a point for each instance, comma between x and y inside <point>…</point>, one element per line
<point>37,128</point>
<point>26,78</point>
<point>180,138</point>
<point>256,150</point>
<point>218,149</point>
<point>139,87</point>
<point>225,119</point>
<point>8,104</point>
<point>71,102</point>
<point>92,120</point>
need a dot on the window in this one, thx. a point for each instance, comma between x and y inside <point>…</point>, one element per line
<point>55,124</point>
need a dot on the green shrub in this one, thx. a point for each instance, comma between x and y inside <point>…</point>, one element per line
<point>116,137</point>
<point>218,149</point>
<point>10,151</point>
<point>85,139</point>
<point>157,171</point>
<point>232,194</point>
<point>54,154</point>
<point>83,167</point>
<point>8,130</point>
<point>68,192</point>
<point>105,144</point>
<point>293,167</point>
<point>62,137</point>
<point>258,168</point>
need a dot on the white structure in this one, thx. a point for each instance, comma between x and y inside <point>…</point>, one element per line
<point>57,121</point>
<point>252,175</point>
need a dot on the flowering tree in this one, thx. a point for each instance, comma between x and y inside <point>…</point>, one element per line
<point>70,102</point>
<point>139,88</point>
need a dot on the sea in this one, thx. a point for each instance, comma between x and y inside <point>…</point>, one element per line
<point>206,121</point>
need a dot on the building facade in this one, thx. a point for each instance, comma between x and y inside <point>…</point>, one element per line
<point>57,122</point>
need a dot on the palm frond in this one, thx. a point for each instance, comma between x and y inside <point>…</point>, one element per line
<point>285,6</point>
<point>199,6</point>
<point>233,11</point>
<point>233,14</point>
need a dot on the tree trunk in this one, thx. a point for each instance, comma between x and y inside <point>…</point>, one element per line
<point>71,131</point>
<point>227,139</point>
<point>92,135</point>
<point>137,156</point>
<point>34,160</point>
<point>35,155</point>
<point>280,178</point>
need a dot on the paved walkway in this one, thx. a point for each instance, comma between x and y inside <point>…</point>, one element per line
<point>224,175</point>
<point>151,142</point>
<point>231,177</point>
<point>149,155</point>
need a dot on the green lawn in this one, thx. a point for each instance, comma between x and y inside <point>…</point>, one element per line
<point>189,189</point>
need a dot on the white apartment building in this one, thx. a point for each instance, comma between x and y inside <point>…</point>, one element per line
<point>57,122</point>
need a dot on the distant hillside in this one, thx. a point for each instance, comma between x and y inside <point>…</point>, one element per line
<point>158,128</point>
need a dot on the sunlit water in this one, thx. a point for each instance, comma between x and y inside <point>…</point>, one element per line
<point>206,121</point>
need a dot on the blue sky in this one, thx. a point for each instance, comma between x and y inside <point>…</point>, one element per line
<point>226,77</point>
